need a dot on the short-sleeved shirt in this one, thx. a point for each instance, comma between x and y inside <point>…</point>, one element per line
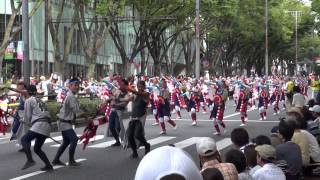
<point>69,111</point>
<point>269,171</point>
<point>228,170</point>
<point>301,139</point>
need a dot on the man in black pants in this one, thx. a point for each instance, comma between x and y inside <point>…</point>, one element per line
<point>69,111</point>
<point>37,116</point>
<point>139,111</point>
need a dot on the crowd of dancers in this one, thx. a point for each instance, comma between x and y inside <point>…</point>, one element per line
<point>165,96</point>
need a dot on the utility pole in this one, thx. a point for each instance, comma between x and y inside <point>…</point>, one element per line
<point>25,36</point>
<point>197,62</point>
<point>46,17</point>
<point>266,57</point>
<point>296,13</point>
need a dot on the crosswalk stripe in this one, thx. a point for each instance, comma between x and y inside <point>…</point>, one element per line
<point>57,138</point>
<point>187,142</point>
<point>223,143</point>
<point>159,140</point>
<point>6,137</point>
<point>96,138</point>
<point>102,145</point>
<point>40,172</point>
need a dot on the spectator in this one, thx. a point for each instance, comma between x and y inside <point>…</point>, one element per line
<point>313,126</point>
<point>212,174</point>
<point>266,154</point>
<point>300,139</point>
<point>289,151</point>
<point>210,158</point>
<point>251,157</point>
<point>176,165</point>
<point>298,99</point>
<point>240,138</point>
<point>314,150</point>
<point>261,140</point>
<point>237,158</point>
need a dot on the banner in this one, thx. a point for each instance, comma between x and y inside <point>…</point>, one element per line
<point>8,55</point>
<point>20,50</point>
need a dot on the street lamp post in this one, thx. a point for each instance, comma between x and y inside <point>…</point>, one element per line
<point>266,39</point>
<point>46,17</point>
<point>197,62</point>
<point>25,36</point>
<point>296,13</point>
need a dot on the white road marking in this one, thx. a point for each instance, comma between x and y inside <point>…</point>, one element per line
<point>103,145</point>
<point>228,120</point>
<point>223,143</point>
<point>187,142</point>
<point>159,140</point>
<point>40,172</point>
<point>96,138</point>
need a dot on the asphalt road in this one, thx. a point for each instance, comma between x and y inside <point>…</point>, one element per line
<point>100,161</point>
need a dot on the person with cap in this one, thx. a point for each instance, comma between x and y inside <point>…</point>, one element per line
<point>314,126</point>
<point>266,155</point>
<point>69,111</point>
<point>177,164</point>
<point>37,116</point>
<point>210,157</point>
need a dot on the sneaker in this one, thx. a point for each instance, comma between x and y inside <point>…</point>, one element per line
<point>116,144</point>
<point>47,168</point>
<point>58,163</point>
<point>194,123</point>
<point>261,119</point>
<point>204,112</point>
<point>246,119</point>
<point>274,114</point>
<point>155,124</point>
<point>265,118</point>
<point>175,127</point>
<point>28,164</point>
<point>278,112</point>
<point>242,124</point>
<point>163,133</point>
<point>147,149</point>
<point>216,133</point>
<point>179,117</point>
<point>74,163</point>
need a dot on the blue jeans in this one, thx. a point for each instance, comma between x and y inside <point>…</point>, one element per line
<point>69,138</point>
<point>26,144</point>
<point>114,125</point>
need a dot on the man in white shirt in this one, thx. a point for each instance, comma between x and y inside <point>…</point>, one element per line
<point>266,155</point>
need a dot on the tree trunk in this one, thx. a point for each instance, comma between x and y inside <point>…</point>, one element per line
<point>157,68</point>
<point>91,70</point>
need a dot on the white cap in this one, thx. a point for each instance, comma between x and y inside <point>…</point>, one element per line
<point>206,146</point>
<point>164,161</point>
<point>315,108</point>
